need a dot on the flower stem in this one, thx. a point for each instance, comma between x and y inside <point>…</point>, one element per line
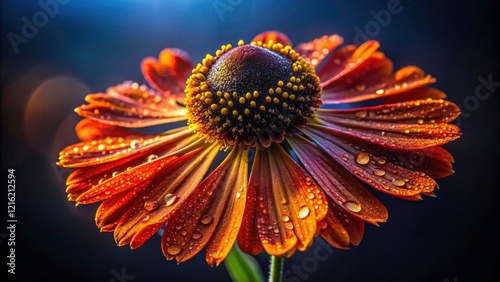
<point>276,269</point>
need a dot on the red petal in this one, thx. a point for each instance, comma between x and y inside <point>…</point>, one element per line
<point>106,150</point>
<point>338,183</point>
<point>211,215</point>
<point>373,170</point>
<point>131,105</point>
<point>422,93</point>
<point>168,74</point>
<point>404,80</point>
<point>289,204</point>
<point>88,130</point>
<point>315,51</point>
<point>163,197</point>
<point>410,125</point>
<point>275,36</point>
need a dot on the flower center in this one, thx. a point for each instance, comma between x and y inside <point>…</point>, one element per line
<point>251,94</point>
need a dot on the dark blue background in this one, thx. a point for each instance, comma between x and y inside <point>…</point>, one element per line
<point>89,45</point>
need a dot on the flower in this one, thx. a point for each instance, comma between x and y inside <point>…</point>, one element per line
<point>260,101</point>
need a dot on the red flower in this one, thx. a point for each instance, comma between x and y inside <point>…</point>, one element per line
<point>262,98</point>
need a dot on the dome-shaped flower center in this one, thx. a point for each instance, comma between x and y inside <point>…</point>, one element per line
<point>251,94</point>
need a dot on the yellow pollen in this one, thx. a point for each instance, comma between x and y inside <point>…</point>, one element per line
<point>278,90</point>
<point>241,43</point>
<point>284,105</point>
<point>292,97</point>
<point>204,87</point>
<point>208,101</point>
<point>284,95</point>
<point>289,85</point>
<point>262,108</point>
<point>235,112</point>
<point>280,83</point>
<point>253,104</point>
<point>247,111</point>
<point>271,91</point>
<point>214,107</point>
<point>230,103</point>
<point>227,96</point>
<point>256,94</point>
<point>224,111</point>
<point>200,76</point>
<point>295,88</point>
<point>248,96</point>
<point>276,100</point>
<point>242,100</point>
<point>208,94</point>
<point>268,99</point>
<point>219,93</point>
<point>235,95</point>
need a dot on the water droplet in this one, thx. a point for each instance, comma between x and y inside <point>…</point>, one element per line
<point>303,212</point>
<point>352,206</point>
<point>170,199</point>
<point>100,147</point>
<point>145,218</point>
<point>173,250</point>
<point>115,173</point>
<point>322,225</point>
<point>183,233</point>
<point>361,114</point>
<point>134,144</point>
<point>398,182</point>
<point>379,172</point>
<point>238,195</point>
<point>288,225</point>
<point>207,219</point>
<point>310,196</point>
<point>381,161</point>
<point>360,87</point>
<point>285,218</point>
<point>362,158</point>
<point>379,92</point>
<point>151,205</point>
<point>196,235</point>
<point>152,157</point>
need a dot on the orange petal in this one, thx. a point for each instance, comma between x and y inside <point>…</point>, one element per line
<point>88,130</point>
<point>373,170</point>
<point>315,51</point>
<point>404,80</point>
<point>211,215</point>
<point>338,183</point>
<point>168,74</point>
<point>164,196</point>
<point>275,36</point>
<point>289,203</point>
<point>131,105</point>
<point>409,125</point>
<point>102,151</point>
<point>341,224</point>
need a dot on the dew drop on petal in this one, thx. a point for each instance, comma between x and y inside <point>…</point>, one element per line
<point>115,173</point>
<point>352,206</point>
<point>152,157</point>
<point>207,219</point>
<point>398,182</point>
<point>238,195</point>
<point>285,218</point>
<point>196,235</point>
<point>134,144</point>
<point>145,218</point>
<point>100,147</point>
<point>360,87</point>
<point>362,158</point>
<point>361,114</point>
<point>303,212</point>
<point>151,205</point>
<point>310,196</point>
<point>173,250</point>
<point>288,225</point>
<point>170,199</point>
<point>379,92</point>
<point>379,172</point>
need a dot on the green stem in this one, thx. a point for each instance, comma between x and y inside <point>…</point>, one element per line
<point>276,269</point>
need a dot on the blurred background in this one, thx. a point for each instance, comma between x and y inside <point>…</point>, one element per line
<point>53,53</point>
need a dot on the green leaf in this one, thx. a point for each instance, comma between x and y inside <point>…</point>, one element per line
<point>242,267</point>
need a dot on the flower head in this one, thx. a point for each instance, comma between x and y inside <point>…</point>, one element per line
<point>261,100</point>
